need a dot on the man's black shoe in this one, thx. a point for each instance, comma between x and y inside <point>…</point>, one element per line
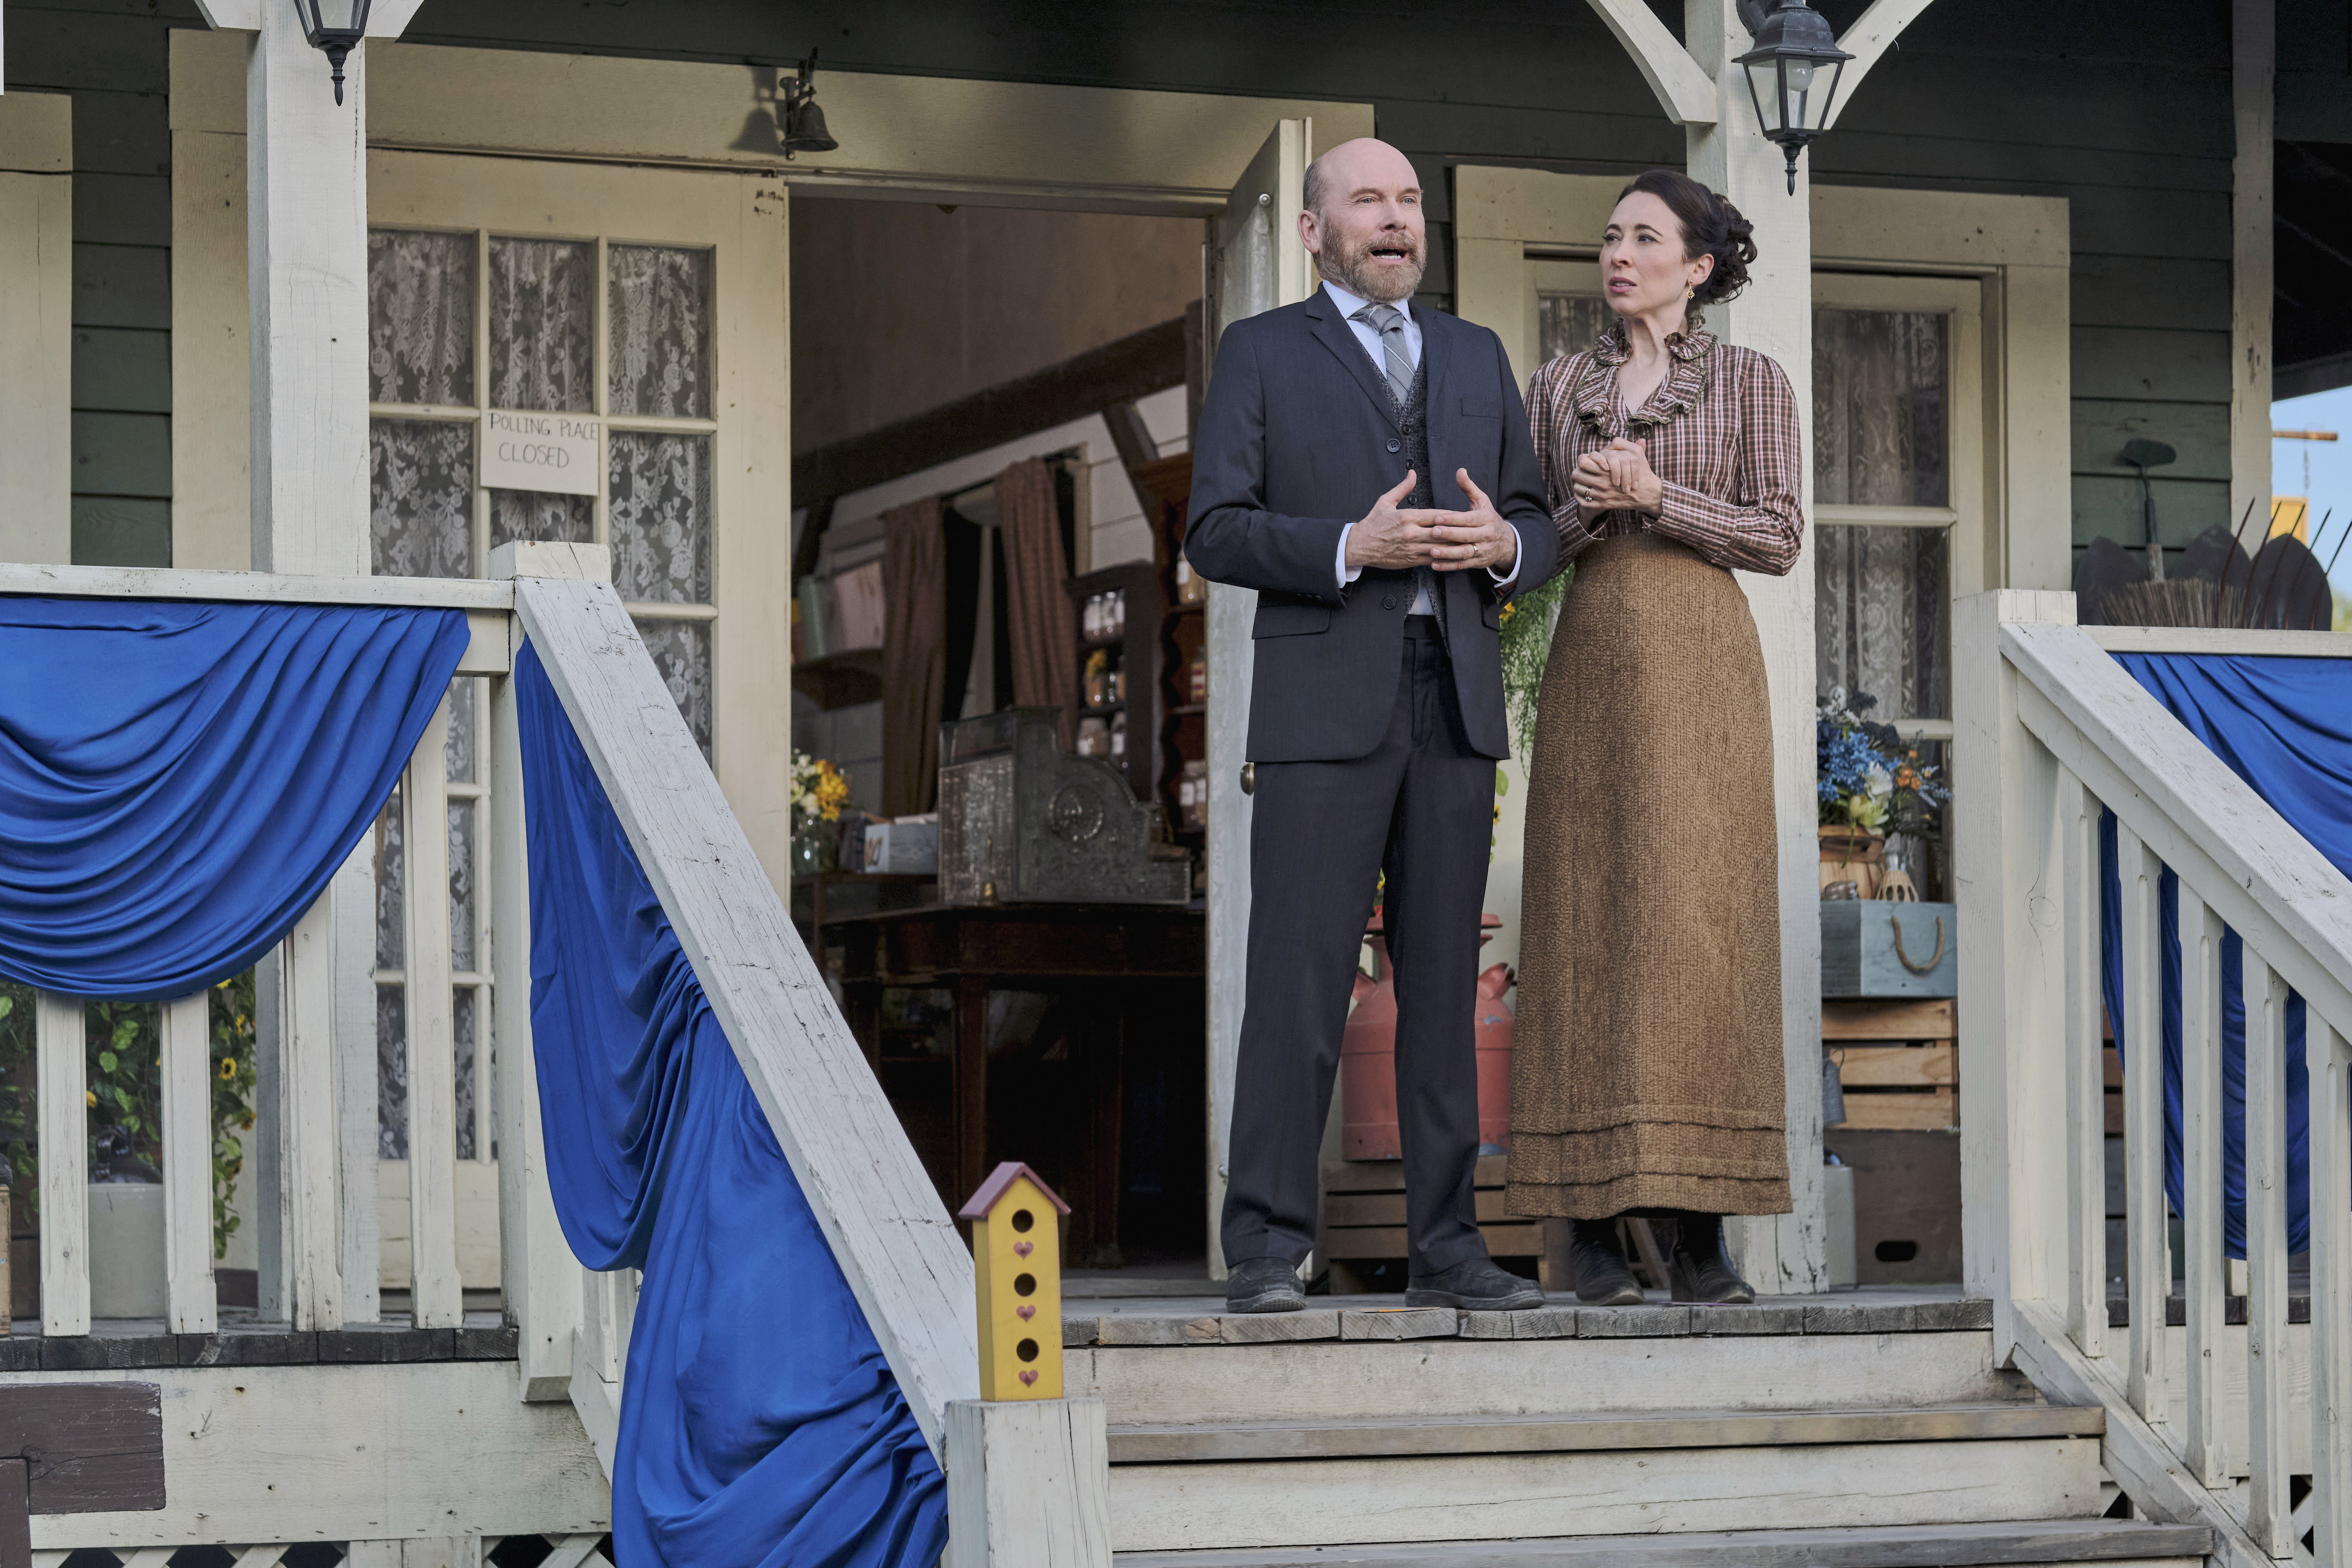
<point>1479,1286</point>
<point>1264,1285</point>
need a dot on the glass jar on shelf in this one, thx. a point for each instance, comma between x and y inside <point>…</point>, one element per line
<point>1115,684</point>
<point>1190,587</point>
<point>1196,682</point>
<point>1118,739</point>
<point>1093,738</point>
<point>1192,794</point>
<point>1097,678</point>
<point>1115,619</point>
<point>1090,622</point>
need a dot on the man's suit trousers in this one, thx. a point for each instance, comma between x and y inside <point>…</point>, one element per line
<point>1421,807</point>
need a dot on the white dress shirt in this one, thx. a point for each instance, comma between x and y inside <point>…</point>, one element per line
<point>1370,337</point>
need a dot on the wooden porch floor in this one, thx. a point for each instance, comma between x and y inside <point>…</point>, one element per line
<point>244,1339</point>
<point>1120,1321</point>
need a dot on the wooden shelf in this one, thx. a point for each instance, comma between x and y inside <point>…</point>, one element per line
<point>841,679</point>
<point>1184,710</point>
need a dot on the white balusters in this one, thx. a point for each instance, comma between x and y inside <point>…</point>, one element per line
<point>300,1176</point>
<point>2269,1517</point>
<point>437,1298</point>
<point>2148,1272</point>
<point>185,1046</point>
<point>2328,1062</point>
<point>2201,1156</point>
<point>2086,1111</point>
<point>63,1108</point>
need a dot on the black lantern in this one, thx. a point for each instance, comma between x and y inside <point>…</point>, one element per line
<point>801,121</point>
<point>335,25</point>
<point>1793,72</point>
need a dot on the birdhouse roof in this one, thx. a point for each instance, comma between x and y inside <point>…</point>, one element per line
<point>1000,1182</point>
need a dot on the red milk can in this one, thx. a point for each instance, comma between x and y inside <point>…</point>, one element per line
<point>1367,1095</point>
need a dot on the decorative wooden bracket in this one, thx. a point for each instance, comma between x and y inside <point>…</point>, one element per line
<point>1688,93</point>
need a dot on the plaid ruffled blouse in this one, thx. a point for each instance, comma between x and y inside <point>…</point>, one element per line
<point>1722,436</point>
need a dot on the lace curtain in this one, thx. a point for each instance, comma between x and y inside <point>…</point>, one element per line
<point>420,317</point>
<point>543,324</point>
<point>420,498</point>
<point>660,325</point>
<point>1880,600</point>
<point>1568,323</point>
<point>1880,435</point>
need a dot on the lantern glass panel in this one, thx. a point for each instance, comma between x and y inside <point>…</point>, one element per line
<point>1764,82</point>
<point>320,16</point>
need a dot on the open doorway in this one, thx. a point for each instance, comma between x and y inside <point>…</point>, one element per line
<point>967,381</point>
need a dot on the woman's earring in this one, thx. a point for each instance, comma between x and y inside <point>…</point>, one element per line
<point>1690,293</point>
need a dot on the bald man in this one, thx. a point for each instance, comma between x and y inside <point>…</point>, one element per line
<point>1364,464</point>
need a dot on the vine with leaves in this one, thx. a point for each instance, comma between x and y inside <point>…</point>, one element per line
<point>123,1094</point>
<point>1528,621</point>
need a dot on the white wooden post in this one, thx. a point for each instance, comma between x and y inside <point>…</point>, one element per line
<point>2328,1060</point>
<point>61,1094</point>
<point>1775,317</point>
<point>2253,71</point>
<point>2007,856</point>
<point>36,327</point>
<point>299,1173</point>
<point>539,1277</point>
<point>436,1299</point>
<point>1028,1484</point>
<point>2148,1264</point>
<point>191,1305</point>
<point>2086,1095</point>
<point>351,899</point>
<point>2201,1159</point>
<point>2269,1515</point>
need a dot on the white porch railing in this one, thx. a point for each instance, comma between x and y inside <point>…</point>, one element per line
<point>896,1244</point>
<point>2209,1422</point>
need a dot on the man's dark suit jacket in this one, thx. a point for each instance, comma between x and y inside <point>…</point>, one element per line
<point>1298,438</point>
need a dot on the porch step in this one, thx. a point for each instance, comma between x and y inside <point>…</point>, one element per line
<point>2118,1542</point>
<point>1397,1436</point>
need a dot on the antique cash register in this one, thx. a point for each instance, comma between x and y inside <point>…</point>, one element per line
<point>1023,822</point>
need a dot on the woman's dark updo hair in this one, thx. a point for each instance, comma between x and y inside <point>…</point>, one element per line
<point>1710,226</point>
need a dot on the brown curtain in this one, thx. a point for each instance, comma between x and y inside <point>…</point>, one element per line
<point>914,655</point>
<point>1037,606</point>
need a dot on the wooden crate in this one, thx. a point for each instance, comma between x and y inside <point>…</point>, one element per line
<point>1906,1203</point>
<point>1363,1215</point>
<point>1899,1062</point>
<point>1876,948</point>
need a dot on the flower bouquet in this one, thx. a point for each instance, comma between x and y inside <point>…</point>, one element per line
<point>1871,785</point>
<point>819,792</point>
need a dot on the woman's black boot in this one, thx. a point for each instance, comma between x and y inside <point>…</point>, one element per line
<point>1597,1266</point>
<point>1702,1271</point>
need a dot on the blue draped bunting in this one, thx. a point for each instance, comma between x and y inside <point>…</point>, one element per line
<point>179,781</point>
<point>2285,726</point>
<point>760,1423</point>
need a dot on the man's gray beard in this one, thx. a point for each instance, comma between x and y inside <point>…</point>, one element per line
<point>1353,278</point>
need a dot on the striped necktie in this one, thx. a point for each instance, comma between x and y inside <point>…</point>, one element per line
<point>1389,321</point>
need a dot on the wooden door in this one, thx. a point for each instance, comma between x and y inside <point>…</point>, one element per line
<point>1255,263</point>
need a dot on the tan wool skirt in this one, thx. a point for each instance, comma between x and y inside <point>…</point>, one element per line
<point>1647,1069</point>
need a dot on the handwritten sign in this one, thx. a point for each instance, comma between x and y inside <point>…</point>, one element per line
<point>539,452</point>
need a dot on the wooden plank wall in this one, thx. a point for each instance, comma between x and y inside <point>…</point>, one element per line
<point>112,58</point>
<point>2122,110</point>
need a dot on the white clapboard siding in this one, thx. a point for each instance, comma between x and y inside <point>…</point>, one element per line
<point>2148,1264</point>
<point>896,1244</point>
<point>2269,1514</point>
<point>437,1298</point>
<point>64,1115</point>
<point>2200,1115</point>
<point>185,1048</point>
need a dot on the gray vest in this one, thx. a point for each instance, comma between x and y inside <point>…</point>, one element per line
<point>1412,425</point>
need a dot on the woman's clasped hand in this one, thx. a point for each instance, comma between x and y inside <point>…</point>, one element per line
<point>1616,477</point>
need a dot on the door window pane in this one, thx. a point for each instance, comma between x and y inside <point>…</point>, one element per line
<point>681,652</point>
<point>660,324</point>
<point>420,317</point>
<point>420,498</point>
<point>1880,601</point>
<point>1880,415</point>
<point>1570,323</point>
<point>543,324</point>
<point>659,515</point>
<point>540,517</point>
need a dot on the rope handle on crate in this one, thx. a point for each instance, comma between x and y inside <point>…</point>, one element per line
<point>1929,967</point>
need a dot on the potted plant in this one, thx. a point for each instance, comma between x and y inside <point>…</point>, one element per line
<point>1870,784</point>
<point>819,792</point>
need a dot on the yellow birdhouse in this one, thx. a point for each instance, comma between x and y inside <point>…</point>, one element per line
<point>1016,1251</point>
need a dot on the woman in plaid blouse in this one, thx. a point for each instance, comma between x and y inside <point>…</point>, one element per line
<point>1646,1079</point>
